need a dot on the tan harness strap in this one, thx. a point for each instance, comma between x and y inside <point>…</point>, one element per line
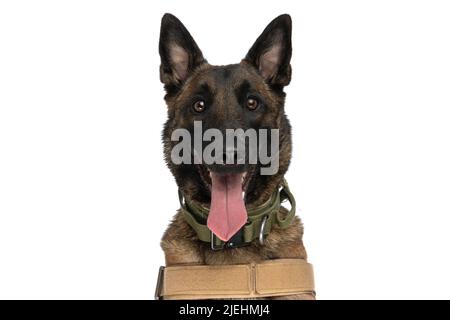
<point>270,278</point>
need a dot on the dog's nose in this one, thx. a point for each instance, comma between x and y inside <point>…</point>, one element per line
<point>232,156</point>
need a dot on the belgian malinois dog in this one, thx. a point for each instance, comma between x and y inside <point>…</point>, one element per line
<point>246,95</point>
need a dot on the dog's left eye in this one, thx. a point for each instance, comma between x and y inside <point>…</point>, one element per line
<point>252,103</point>
<point>199,106</point>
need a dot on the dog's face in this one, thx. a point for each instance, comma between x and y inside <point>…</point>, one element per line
<point>248,95</point>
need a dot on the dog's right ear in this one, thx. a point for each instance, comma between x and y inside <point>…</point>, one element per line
<point>179,53</point>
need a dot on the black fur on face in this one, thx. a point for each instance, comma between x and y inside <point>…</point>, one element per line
<point>225,92</point>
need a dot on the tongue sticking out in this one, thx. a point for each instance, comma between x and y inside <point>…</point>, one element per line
<point>227,211</point>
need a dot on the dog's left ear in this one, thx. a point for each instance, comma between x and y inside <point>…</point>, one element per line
<point>179,53</point>
<point>271,53</point>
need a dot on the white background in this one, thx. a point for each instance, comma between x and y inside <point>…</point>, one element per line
<point>84,192</point>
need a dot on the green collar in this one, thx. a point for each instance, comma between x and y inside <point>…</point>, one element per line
<point>259,224</point>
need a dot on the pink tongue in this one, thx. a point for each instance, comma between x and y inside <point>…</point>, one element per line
<point>227,212</point>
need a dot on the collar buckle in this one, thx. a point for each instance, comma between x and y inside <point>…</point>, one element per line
<point>215,247</point>
<point>236,241</point>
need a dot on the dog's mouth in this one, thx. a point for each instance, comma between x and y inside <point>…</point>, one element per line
<point>227,213</point>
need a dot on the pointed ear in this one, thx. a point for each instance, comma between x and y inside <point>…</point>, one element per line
<point>179,53</point>
<point>271,53</point>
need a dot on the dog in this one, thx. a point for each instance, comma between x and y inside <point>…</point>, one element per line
<point>246,95</point>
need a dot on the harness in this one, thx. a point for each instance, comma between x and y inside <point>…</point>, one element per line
<point>278,277</point>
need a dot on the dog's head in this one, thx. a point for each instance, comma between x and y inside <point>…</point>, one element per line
<point>247,96</point>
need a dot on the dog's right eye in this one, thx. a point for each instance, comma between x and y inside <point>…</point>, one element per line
<point>199,106</point>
